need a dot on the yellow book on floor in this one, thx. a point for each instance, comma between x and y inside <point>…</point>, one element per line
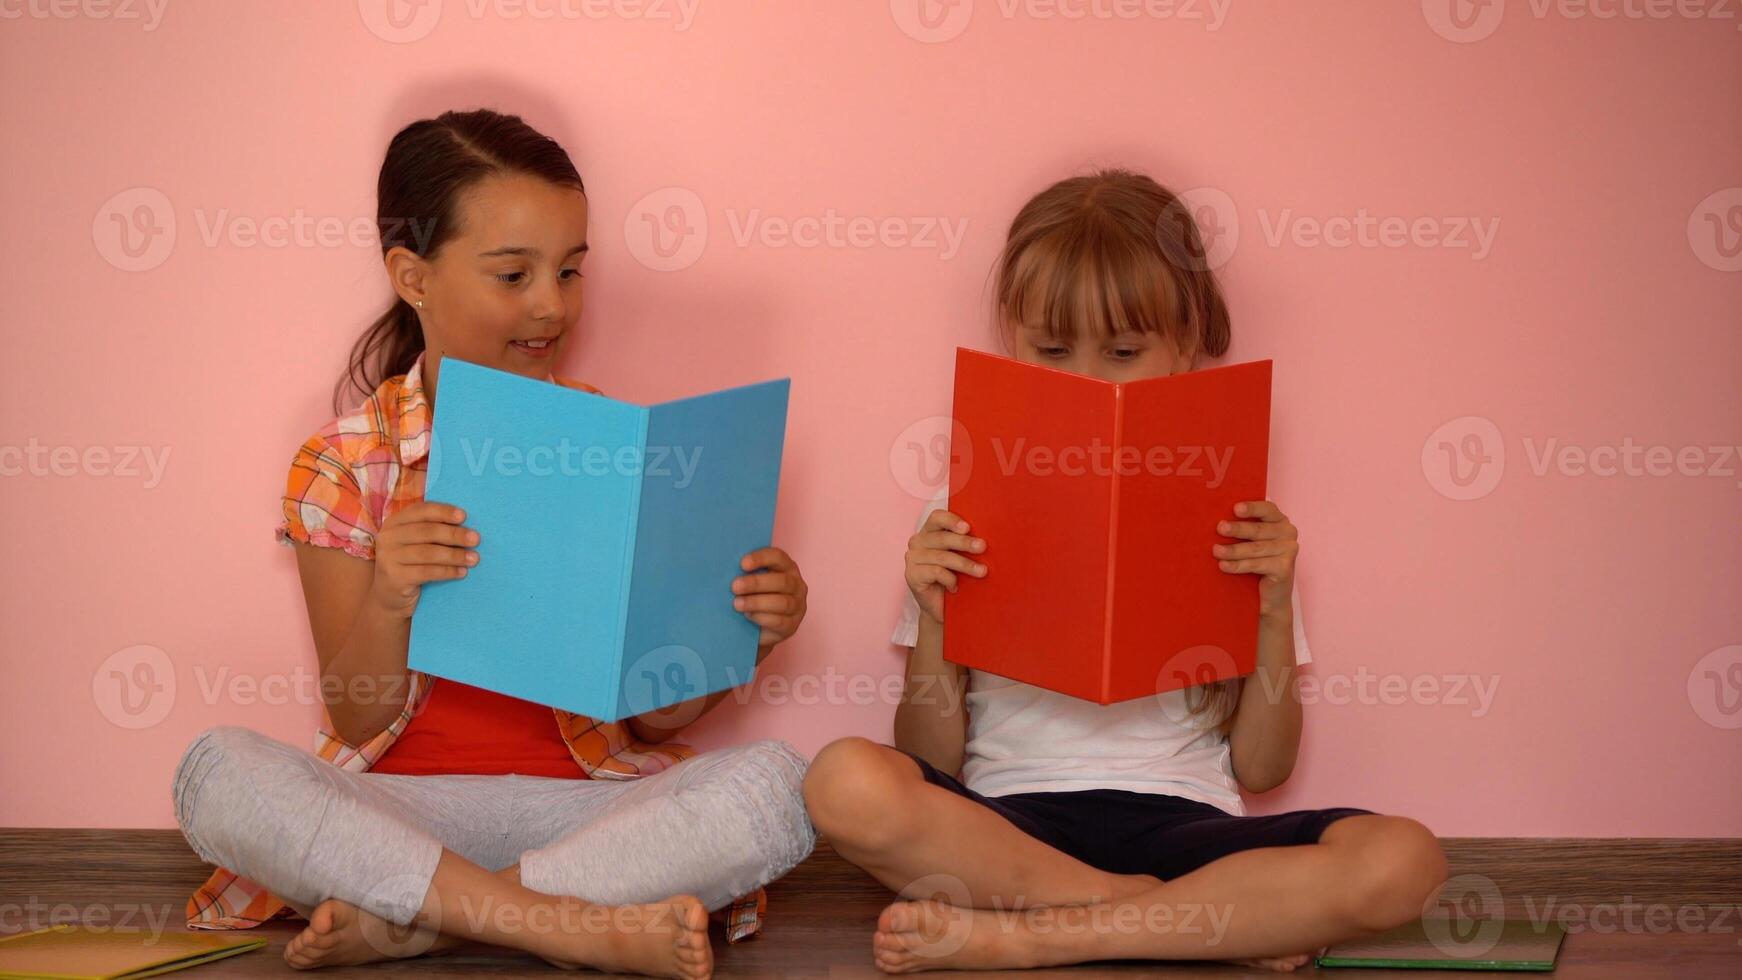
<point>69,952</point>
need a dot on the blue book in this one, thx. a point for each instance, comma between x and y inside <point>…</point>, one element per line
<point>609,535</point>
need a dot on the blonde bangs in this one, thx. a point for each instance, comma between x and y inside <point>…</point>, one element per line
<point>1100,256</point>
<point>1084,281</point>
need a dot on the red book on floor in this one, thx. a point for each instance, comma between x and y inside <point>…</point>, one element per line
<point>1098,502</point>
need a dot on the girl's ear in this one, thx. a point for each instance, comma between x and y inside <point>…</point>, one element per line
<point>408,272</point>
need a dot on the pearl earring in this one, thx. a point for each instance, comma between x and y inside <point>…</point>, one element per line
<point>420,304</point>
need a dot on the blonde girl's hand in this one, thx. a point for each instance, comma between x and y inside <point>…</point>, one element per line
<point>1268,546</point>
<point>424,542</point>
<point>935,558</point>
<point>772,595</point>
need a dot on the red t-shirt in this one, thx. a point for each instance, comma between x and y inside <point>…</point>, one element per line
<point>465,729</point>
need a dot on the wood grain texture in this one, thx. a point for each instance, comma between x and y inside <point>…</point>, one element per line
<point>822,914</point>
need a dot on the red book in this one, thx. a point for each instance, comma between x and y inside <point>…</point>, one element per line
<point>1098,502</point>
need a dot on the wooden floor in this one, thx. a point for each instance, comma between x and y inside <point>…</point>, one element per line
<point>822,914</point>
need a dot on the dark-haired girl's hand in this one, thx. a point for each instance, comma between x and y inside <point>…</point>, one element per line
<point>1269,544</point>
<point>424,542</point>
<point>772,595</point>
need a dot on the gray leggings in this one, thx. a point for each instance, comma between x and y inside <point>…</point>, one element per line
<point>716,826</point>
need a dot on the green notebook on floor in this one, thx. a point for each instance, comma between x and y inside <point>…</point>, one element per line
<point>69,952</point>
<point>1446,944</point>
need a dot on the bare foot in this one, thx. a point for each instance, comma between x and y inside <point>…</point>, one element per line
<point>341,934</point>
<point>664,939</point>
<point>932,935</point>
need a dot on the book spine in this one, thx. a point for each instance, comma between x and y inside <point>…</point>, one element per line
<point>631,535</point>
<point>1112,547</point>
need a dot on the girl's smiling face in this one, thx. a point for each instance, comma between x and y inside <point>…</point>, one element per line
<point>1118,357</point>
<point>505,291</point>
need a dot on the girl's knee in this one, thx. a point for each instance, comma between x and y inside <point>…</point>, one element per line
<point>768,776</point>
<point>215,753</point>
<point>1396,865</point>
<point>223,771</point>
<point>855,789</point>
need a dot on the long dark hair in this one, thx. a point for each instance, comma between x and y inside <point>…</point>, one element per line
<point>429,165</point>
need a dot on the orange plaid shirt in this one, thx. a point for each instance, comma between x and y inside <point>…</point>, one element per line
<point>345,481</point>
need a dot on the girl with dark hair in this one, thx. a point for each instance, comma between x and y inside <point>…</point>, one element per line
<point>433,813</point>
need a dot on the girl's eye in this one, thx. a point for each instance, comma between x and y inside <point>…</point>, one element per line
<point>1052,351</point>
<point>571,274</point>
<point>1123,353</point>
<point>509,278</point>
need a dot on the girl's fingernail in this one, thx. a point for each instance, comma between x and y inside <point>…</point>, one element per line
<point>738,604</point>
<point>472,538</point>
<point>1222,527</point>
<point>979,569</point>
<point>471,558</point>
<point>459,515</point>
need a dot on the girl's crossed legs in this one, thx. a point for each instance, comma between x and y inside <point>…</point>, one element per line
<point>1009,895</point>
<point>608,873</point>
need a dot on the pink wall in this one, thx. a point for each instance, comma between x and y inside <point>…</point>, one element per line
<point>1601,154</point>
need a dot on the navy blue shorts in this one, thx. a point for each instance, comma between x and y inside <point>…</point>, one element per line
<point>1142,833</point>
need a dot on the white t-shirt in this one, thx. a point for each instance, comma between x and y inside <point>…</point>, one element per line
<point>1026,739</point>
